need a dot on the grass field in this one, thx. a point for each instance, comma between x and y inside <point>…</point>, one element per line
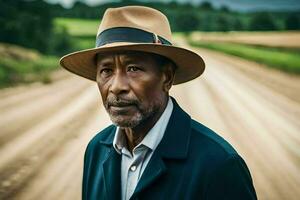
<point>82,31</point>
<point>281,58</point>
<point>21,65</point>
<point>79,27</point>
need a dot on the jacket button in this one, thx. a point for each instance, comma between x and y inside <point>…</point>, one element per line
<point>133,168</point>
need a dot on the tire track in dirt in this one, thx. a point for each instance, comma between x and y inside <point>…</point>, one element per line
<point>20,118</point>
<point>36,133</point>
<point>284,112</point>
<point>22,156</point>
<point>68,162</point>
<point>16,96</point>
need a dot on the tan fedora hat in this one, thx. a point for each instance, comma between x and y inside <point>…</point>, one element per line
<point>135,28</point>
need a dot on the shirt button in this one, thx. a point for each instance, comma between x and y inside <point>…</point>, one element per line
<point>133,168</point>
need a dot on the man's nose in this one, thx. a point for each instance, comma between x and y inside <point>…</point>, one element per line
<point>119,83</point>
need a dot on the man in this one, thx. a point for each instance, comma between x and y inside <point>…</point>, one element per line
<point>153,150</point>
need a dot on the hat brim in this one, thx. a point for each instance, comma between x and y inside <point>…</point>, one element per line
<point>189,64</point>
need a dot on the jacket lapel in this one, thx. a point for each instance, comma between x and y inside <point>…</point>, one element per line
<point>174,145</point>
<point>112,174</point>
<point>112,170</point>
<point>155,168</point>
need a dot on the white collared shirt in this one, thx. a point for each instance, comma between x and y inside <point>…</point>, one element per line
<point>133,165</point>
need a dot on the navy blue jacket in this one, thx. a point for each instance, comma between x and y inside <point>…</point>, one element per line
<point>191,162</point>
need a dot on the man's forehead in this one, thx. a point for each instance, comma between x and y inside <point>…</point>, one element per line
<point>122,54</point>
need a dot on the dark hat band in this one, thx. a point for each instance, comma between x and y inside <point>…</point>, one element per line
<point>127,34</point>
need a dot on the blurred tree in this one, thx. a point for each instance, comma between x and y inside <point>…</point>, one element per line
<point>186,21</point>
<point>224,9</point>
<point>262,21</point>
<point>29,24</point>
<point>80,10</point>
<point>207,22</point>
<point>292,22</point>
<point>238,24</point>
<point>61,43</point>
<point>206,6</point>
<point>222,23</point>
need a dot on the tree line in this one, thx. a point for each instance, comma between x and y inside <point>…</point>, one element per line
<point>30,24</point>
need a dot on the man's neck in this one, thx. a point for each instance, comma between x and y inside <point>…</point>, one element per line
<point>135,135</point>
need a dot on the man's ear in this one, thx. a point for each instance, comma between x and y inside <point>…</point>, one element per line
<point>169,74</point>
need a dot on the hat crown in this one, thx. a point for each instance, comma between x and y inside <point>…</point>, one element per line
<point>140,17</point>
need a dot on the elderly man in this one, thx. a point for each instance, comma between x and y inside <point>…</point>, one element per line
<point>153,150</point>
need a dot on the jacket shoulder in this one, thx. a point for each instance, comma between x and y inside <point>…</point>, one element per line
<point>225,173</point>
<point>214,142</point>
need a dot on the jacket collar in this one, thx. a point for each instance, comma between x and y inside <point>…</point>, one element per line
<point>111,174</point>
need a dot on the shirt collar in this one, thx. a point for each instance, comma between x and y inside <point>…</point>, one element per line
<point>152,138</point>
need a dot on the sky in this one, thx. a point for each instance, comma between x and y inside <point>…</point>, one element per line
<point>242,5</point>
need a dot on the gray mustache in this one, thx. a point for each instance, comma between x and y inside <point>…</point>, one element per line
<point>116,101</point>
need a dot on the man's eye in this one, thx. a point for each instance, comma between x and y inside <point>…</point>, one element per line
<point>105,71</point>
<point>133,68</point>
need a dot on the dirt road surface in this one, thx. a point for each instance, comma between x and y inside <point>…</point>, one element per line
<point>45,128</point>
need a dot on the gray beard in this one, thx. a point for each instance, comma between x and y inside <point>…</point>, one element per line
<point>140,117</point>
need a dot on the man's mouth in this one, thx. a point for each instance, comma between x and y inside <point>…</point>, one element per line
<point>120,106</point>
<point>117,108</point>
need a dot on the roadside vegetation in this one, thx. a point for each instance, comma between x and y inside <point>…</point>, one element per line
<point>82,32</point>
<point>26,65</point>
<point>22,65</point>
<point>284,59</point>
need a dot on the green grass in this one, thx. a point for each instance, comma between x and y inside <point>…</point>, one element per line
<point>82,31</point>
<point>13,72</point>
<point>24,65</point>
<point>83,42</point>
<point>79,27</point>
<point>284,59</point>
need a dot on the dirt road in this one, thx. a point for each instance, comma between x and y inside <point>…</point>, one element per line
<point>45,128</point>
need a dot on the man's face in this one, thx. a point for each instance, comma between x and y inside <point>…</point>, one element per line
<point>132,87</point>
